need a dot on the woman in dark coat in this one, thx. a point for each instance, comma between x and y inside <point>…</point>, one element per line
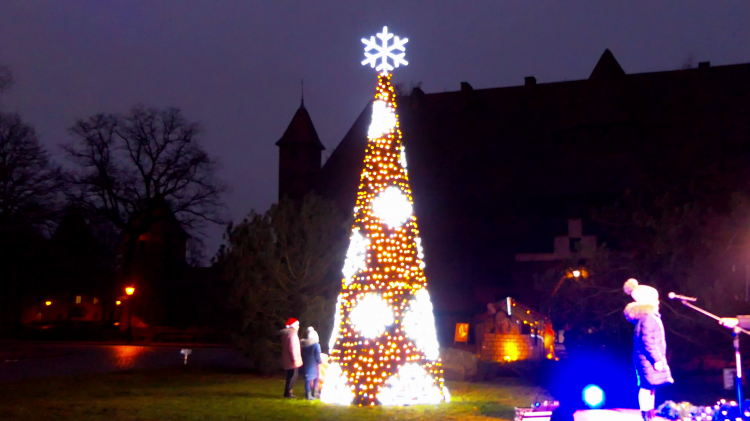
<point>310,362</point>
<point>649,344</point>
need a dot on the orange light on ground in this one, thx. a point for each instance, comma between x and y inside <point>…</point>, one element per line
<point>125,356</point>
<point>130,290</point>
<point>48,303</point>
<point>118,302</point>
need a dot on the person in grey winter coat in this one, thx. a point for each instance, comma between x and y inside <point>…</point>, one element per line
<point>649,344</point>
<point>310,362</point>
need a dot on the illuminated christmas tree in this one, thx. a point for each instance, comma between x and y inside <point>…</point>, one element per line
<point>384,347</point>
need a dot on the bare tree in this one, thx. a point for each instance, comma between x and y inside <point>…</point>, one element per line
<point>129,167</point>
<point>29,183</point>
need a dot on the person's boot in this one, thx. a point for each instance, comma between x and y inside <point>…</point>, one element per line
<point>309,395</point>
<point>289,394</point>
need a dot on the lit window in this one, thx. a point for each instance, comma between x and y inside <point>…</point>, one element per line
<point>96,300</point>
<point>78,299</point>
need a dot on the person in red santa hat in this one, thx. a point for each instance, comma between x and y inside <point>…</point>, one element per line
<point>291,359</point>
<point>649,344</point>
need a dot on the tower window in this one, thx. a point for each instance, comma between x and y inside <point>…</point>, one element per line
<point>96,300</point>
<point>78,299</point>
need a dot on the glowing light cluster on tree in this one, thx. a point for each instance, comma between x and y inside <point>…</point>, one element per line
<point>412,385</point>
<point>355,255</point>
<point>392,207</point>
<point>384,347</point>
<point>419,324</point>
<point>371,316</point>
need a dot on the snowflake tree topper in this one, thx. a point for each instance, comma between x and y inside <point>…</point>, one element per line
<point>384,51</point>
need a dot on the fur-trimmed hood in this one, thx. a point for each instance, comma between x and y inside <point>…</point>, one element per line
<point>312,337</point>
<point>288,331</point>
<point>636,311</point>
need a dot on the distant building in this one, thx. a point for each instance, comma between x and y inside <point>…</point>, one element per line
<point>65,308</point>
<point>498,174</point>
<point>86,287</point>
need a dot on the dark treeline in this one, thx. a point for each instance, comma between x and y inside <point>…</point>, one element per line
<point>129,180</point>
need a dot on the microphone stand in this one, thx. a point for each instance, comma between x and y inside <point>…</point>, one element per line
<point>737,358</point>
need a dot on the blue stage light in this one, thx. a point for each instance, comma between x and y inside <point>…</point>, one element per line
<point>593,396</point>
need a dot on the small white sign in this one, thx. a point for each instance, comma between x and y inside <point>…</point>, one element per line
<point>186,352</point>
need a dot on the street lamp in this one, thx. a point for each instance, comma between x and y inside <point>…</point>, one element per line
<point>48,303</point>
<point>129,291</point>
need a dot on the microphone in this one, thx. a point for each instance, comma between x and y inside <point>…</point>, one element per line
<point>673,296</point>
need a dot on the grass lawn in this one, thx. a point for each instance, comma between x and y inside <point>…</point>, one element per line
<point>202,394</point>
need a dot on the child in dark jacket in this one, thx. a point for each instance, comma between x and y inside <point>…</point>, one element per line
<point>649,344</point>
<point>310,362</point>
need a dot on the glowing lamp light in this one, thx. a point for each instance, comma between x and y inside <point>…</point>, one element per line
<point>593,396</point>
<point>130,290</point>
<point>576,273</point>
<point>118,302</point>
<point>48,303</point>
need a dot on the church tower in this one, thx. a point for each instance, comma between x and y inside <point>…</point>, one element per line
<point>299,156</point>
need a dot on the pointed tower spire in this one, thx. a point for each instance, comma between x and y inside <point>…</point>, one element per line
<point>299,156</point>
<point>384,348</point>
<point>607,67</point>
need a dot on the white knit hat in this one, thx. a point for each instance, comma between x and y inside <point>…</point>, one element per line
<point>312,334</point>
<point>643,294</point>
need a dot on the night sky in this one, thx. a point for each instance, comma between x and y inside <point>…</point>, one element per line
<point>235,65</point>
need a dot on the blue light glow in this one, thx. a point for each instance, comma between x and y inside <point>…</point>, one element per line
<point>593,396</point>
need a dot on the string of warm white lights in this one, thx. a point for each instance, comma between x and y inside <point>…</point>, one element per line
<point>384,347</point>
